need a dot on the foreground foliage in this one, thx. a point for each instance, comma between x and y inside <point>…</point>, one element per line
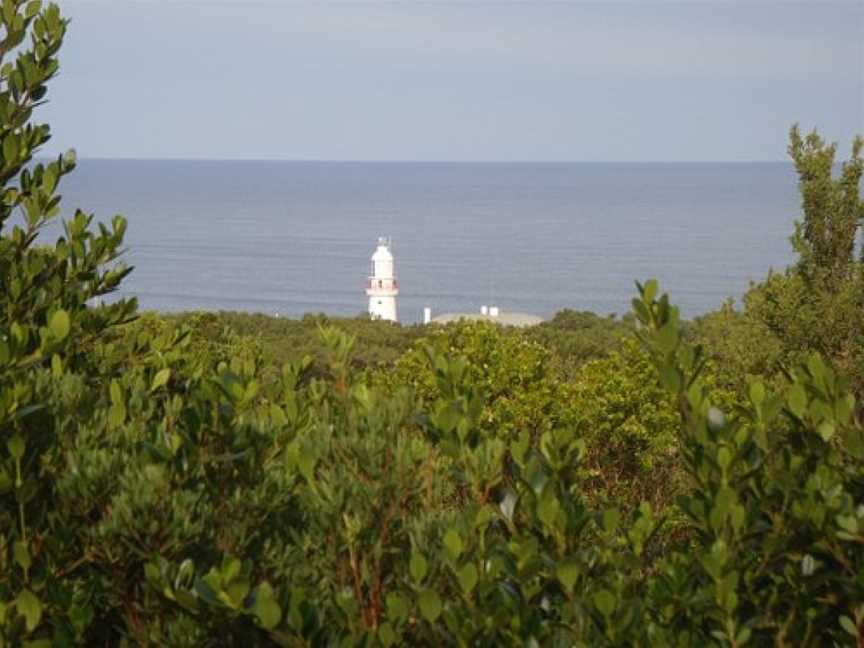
<point>162,483</point>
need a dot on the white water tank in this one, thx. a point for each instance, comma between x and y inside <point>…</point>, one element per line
<point>427,315</point>
<point>493,311</point>
<point>484,310</point>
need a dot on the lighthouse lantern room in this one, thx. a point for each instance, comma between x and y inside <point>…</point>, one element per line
<point>382,287</point>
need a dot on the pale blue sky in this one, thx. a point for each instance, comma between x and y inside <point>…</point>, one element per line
<point>483,80</point>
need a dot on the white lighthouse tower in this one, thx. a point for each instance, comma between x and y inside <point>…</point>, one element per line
<point>382,288</point>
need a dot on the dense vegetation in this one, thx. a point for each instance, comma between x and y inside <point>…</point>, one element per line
<point>218,480</point>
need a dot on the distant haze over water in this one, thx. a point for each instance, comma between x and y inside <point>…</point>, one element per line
<point>296,237</point>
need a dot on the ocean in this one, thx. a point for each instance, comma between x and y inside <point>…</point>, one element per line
<point>290,238</point>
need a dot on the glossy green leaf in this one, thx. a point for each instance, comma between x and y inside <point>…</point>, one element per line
<point>161,379</point>
<point>386,635</point>
<point>116,392</point>
<point>605,602</point>
<point>22,555</point>
<point>724,458</point>
<point>848,625</point>
<point>548,509</point>
<point>650,290</point>
<point>670,377</point>
<point>307,461</point>
<point>116,415</point>
<point>757,393</point>
<point>266,609</point>
<point>508,504</point>
<point>49,181</point>
<point>453,543</point>
<point>418,567</point>
<point>39,643</point>
<point>60,324</point>
<point>10,148</point>
<point>33,8</point>
<point>430,605</point>
<point>5,480</point>
<point>56,366</point>
<point>397,607</point>
<point>467,576</point>
<point>826,430</point>
<point>797,400</point>
<point>611,520</point>
<point>667,336</point>
<point>16,447</point>
<point>567,572</point>
<point>30,608</point>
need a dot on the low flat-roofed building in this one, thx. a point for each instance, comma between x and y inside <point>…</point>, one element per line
<point>505,318</point>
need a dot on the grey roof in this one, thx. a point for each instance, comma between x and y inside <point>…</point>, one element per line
<point>505,319</point>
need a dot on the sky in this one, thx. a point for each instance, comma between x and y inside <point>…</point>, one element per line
<point>483,80</point>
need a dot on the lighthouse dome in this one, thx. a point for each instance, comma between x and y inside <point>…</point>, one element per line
<point>382,253</point>
<point>382,261</point>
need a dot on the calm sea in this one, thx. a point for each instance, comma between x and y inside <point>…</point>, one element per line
<point>296,237</point>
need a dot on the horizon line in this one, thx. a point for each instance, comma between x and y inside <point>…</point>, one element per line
<point>127,158</point>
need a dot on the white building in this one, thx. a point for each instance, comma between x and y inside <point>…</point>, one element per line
<point>382,287</point>
<point>490,314</point>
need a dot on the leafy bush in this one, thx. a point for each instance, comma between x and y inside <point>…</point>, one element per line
<point>629,425</point>
<point>816,304</point>
<point>510,372</point>
<point>573,338</point>
<point>379,343</point>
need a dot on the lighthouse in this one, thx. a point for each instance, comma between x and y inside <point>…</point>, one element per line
<point>381,287</point>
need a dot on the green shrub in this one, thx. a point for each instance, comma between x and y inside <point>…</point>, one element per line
<point>512,373</point>
<point>282,339</point>
<point>575,337</point>
<point>629,425</point>
<point>816,304</point>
